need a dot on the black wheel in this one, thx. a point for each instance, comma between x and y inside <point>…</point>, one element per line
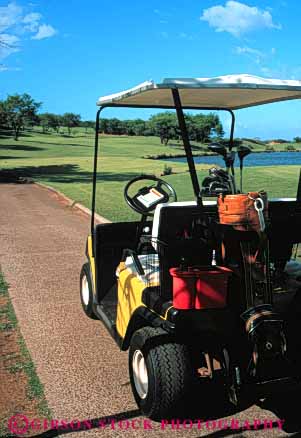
<point>86,294</point>
<point>160,372</point>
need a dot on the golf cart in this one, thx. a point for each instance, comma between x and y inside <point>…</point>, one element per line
<point>201,291</point>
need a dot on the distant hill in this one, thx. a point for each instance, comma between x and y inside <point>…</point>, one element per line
<point>277,141</point>
<point>254,141</point>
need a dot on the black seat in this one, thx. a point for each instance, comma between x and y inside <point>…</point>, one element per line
<point>179,235</point>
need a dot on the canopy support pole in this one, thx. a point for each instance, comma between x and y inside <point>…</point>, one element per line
<point>232,129</point>
<point>187,146</point>
<point>95,175</point>
<point>298,198</point>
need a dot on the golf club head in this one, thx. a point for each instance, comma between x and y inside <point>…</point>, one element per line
<point>214,171</point>
<point>208,180</point>
<point>230,158</point>
<point>216,188</point>
<point>243,151</point>
<point>224,177</point>
<point>218,149</point>
<point>214,185</point>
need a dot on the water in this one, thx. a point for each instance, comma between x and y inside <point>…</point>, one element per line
<point>253,160</point>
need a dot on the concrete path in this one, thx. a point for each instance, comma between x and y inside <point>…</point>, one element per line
<point>42,247</point>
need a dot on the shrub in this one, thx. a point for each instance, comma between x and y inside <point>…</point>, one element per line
<point>290,147</point>
<point>167,170</point>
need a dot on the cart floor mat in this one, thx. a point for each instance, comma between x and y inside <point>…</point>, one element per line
<point>109,304</point>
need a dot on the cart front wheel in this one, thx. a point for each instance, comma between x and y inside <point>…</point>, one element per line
<point>86,294</point>
<point>160,372</point>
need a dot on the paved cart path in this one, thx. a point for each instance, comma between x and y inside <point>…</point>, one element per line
<point>42,245</point>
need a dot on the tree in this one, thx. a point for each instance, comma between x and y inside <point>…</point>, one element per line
<point>20,110</point>
<point>201,127</point>
<point>297,139</point>
<point>71,120</point>
<point>49,121</point>
<point>165,126</point>
<point>3,118</point>
<point>87,124</point>
<point>139,126</point>
<point>133,127</point>
<point>115,126</point>
<point>103,126</point>
<point>43,121</point>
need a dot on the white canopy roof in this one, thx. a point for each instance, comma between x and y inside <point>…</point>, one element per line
<point>229,92</point>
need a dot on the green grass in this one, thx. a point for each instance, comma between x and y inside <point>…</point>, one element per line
<point>22,360</point>
<point>66,163</point>
<point>3,286</point>
<point>7,313</point>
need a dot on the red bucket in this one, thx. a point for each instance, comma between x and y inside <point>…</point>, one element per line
<point>184,288</point>
<point>200,288</point>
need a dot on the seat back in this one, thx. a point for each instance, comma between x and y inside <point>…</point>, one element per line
<point>179,236</point>
<point>110,240</point>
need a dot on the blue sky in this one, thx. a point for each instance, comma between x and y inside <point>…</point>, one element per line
<point>68,53</point>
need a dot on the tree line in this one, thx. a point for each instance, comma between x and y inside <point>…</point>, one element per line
<point>200,127</point>
<point>19,112</point>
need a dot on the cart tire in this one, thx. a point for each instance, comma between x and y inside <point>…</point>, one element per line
<point>160,371</point>
<point>86,294</point>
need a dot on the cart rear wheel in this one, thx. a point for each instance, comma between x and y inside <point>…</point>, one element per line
<point>86,294</point>
<point>160,372</point>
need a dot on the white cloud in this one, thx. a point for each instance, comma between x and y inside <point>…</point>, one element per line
<point>248,50</point>
<point>8,45</point>
<point>32,18</point>
<point>282,71</point>
<point>44,31</point>
<point>9,16</point>
<point>258,57</point>
<point>31,21</point>
<point>255,55</point>
<point>238,18</point>
<point>15,24</point>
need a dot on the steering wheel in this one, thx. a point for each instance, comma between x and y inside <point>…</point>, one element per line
<point>148,197</point>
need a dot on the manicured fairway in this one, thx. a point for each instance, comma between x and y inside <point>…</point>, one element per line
<point>66,163</point>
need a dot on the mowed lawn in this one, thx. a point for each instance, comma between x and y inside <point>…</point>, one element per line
<point>66,163</point>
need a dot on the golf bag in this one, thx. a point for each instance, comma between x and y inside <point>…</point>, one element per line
<point>245,212</point>
<point>245,244</point>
